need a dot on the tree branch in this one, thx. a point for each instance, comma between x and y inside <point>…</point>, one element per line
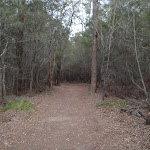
<point>5,50</point>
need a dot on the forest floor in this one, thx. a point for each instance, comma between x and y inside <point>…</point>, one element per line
<point>68,119</point>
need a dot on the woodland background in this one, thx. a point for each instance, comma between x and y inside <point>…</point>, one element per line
<point>37,50</point>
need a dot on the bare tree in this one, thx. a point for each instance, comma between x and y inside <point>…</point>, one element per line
<point>108,47</point>
<point>143,88</point>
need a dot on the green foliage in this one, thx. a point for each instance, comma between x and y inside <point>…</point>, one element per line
<point>20,105</point>
<point>86,39</point>
<point>116,103</point>
<point>46,21</point>
<point>59,55</point>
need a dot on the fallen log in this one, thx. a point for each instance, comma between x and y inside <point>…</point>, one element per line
<point>135,111</point>
<point>147,118</point>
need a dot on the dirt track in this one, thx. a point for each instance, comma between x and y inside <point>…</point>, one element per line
<point>68,120</point>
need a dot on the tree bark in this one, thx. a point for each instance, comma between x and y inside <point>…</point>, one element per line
<point>51,64</point>
<point>94,49</point>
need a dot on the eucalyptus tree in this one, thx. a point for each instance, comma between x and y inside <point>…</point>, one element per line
<point>94,49</point>
<point>39,49</point>
<point>63,13</point>
<point>29,34</point>
<point>128,42</point>
<point>117,59</point>
<point>12,28</point>
<point>35,28</point>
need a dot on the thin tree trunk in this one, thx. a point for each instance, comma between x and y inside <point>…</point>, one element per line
<point>3,85</point>
<point>32,69</point>
<point>37,79</point>
<point>58,78</point>
<point>106,75</point>
<point>52,70</point>
<point>31,78</point>
<point>3,88</point>
<point>51,65</point>
<point>94,49</point>
<point>138,63</point>
<point>50,57</point>
<point>19,48</point>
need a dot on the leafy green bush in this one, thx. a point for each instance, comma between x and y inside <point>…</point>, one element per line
<point>19,105</point>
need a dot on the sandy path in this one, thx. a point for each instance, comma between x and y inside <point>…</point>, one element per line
<point>66,120</point>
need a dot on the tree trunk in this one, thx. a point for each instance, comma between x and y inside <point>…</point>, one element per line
<point>19,48</point>
<point>31,78</point>
<point>2,76</point>
<point>3,89</point>
<point>32,69</point>
<point>138,64</point>
<point>106,75</point>
<point>50,57</point>
<point>51,65</point>
<point>1,100</point>
<point>94,49</point>
<point>3,84</point>
<point>52,71</point>
<point>58,76</point>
